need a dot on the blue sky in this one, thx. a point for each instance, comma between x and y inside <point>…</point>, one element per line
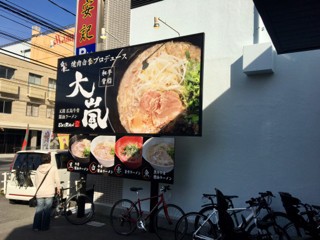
<point>13,24</point>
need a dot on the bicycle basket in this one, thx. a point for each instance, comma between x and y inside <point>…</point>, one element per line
<point>288,200</point>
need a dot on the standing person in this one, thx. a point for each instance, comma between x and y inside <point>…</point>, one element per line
<point>45,193</point>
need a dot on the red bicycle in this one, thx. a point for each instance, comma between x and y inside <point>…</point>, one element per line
<point>126,216</point>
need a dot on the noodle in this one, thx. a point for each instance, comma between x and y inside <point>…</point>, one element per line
<point>149,99</point>
<point>104,151</point>
<point>158,154</point>
<point>81,148</point>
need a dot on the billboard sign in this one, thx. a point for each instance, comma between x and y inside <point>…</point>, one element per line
<point>149,89</point>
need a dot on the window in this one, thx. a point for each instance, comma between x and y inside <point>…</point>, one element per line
<point>62,160</point>
<point>26,161</point>
<point>50,112</point>
<point>5,106</point>
<point>6,72</point>
<point>32,110</point>
<point>52,83</point>
<point>34,79</point>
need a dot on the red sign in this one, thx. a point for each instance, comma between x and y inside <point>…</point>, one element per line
<point>59,39</point>
<point>87,16</point>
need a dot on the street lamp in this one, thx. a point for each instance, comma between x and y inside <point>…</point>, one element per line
<point>157,24</point>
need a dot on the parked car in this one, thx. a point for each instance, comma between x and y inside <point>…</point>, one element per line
<point>19,182</point>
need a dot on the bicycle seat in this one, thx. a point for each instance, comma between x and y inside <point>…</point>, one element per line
<point>229,197</point>
<point>135,189</point>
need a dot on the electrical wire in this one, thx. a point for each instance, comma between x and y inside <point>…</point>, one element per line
<point>30,17</point>
<point>33,18</point>
<point>12,20</point>
<point>66,10</point>
<point>33,45</point>
<point>33,60</point>
<point>19,7</point>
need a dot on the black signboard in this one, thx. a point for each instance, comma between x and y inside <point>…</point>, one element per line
<point>152,89</point>
<point>135,157</point>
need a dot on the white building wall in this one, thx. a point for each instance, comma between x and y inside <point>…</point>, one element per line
<point>22,49</point>
<point>260,132</point>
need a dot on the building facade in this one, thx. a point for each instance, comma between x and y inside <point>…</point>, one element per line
<point>260,112</point>
<point>27,87</point>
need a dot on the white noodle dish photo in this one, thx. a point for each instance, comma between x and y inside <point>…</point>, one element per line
<point>102,148</point>
<point>159,152</point>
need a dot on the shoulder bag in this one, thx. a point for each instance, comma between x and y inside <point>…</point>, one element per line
<point>33,200</point>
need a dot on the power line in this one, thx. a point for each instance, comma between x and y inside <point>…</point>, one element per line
<point>33,60</point>
<point>14,21</point>
<point>37,20</point>
<point>19,7</point>
<point>66,10</point>
<point>33,45</point>
<point>29,17</point>
<point>10,19</point>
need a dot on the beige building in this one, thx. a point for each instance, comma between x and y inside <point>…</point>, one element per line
<point>27,89</point>
<point>48,48</point>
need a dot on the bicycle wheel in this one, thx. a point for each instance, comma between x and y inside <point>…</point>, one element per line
<point>123,217</point>
<point>79,209</point>
<point>267,230</point>
<point>165,220</point>
<point>187,228</point>
<point>284,222</point>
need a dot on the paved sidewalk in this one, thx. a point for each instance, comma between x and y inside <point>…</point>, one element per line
<point>7,156</point>
<point>16,224</point>
<point>62,230</point>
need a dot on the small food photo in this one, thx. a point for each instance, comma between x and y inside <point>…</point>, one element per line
<point>159,152</point>
<point>79,147</point>
<point>129,150</point>
<point>103,149</point>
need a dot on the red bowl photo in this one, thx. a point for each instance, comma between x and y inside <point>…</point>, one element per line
<point>129,150</point>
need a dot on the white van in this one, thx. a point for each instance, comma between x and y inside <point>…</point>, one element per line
<point>19,182</point>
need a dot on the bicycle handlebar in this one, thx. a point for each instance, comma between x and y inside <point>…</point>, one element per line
<point>264,201</point>
<point>165,188</point>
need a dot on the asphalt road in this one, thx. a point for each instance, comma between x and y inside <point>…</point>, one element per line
<point>5,165</point>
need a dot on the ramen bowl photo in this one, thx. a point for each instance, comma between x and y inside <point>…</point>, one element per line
<point>79,147</point>
<point>103,149</point>
<point>160,90</point>
<point>159,152</point>
<point>129,151</point>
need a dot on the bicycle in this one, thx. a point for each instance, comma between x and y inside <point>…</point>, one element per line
<point>305,217</point>
<point>209,210</point>
<point>195,225</point>
<point>78,209</point>
<point>126,216</point>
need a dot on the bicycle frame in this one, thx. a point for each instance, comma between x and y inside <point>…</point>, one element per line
<point>251,217</point>
<point>214,211</point>
<point>160,202</point>
<point>62,200</point>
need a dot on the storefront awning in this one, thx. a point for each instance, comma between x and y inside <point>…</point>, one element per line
<point>293,25</point>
